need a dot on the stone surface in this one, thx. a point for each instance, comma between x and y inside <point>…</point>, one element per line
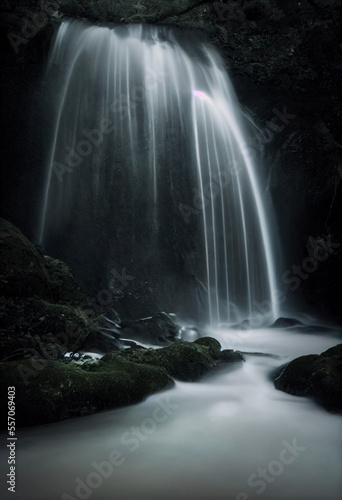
<point>230,356</point>
<point>49,390</point>
<point>315,376</point>
<point>158,329</point>
<point>43,312</point>
<point>184,361</point>
<point>26,272</point>
<point>213,346</point>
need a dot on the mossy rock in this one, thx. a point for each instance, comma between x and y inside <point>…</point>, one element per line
<point>230,356</point>
<point>22,270</point>
<point>31,326</point>
<point>48,391</point>
<point>184,361</point>
<point>315,376</point>
<point>25,272</point>
<point>62,285</point>
<point>213,346</point>
<point>42,309</point>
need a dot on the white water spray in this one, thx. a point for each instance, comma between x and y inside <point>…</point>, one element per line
<point>125,93</point>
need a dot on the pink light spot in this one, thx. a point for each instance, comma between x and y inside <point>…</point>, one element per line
<point>200,94</point>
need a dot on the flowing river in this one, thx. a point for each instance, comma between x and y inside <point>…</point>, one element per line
<point>232,436</point>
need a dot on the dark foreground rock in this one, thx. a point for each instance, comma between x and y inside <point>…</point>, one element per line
<point>186,361</point>
<point>315,376</point>
<point>48,391</point>
<point>158,329</point>
<point>27,272</point>
<point>44,315</point>
<point>43,312</point>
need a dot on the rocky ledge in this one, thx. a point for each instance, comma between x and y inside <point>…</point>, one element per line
<point>44,315</point>
<point>315,376</point>
<point>48,391</point>
<point>42,309</point>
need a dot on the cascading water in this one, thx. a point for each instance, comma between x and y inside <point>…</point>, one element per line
<point>148,131</point>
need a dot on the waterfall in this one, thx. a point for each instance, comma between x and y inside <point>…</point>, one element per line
<point>149,144</point>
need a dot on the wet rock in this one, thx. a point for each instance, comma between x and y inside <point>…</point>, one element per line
<point>42,311</point>
<point>158,329</point>
<point>52,391</point>
<point>259,354</point>
<point>213,345</point>
<point>315,376</point>
<point>286,323</point>
<point>101,342</point>
<point>302,328</point>
<point>22,270</point>
<point>184,361</point>
<point>34,327</point>
<point>230,356</point>
<point>25,272</point>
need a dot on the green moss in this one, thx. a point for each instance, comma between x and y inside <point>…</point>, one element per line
<point>52,390</point>
<point>316,376</point>
<point>34,325</point>
<point>183,360</point>
<point>47,391</point>
<point>213,346</point>
<point>41,311</point>
<point>24,272</point>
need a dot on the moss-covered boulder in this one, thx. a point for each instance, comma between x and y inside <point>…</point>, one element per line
<point>27,272</point>
<point>48,391</point>
<point>31,326</point>
<point>186,361</point>
<point>213,346</point>
<point>22,269</point>
<point>43,312</point>
<point>315,376</point>
<point>230,356</point>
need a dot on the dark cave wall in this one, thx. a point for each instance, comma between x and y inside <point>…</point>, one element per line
<point>279,54</point>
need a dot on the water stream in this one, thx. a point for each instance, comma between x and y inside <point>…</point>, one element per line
<point>212,440</point>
